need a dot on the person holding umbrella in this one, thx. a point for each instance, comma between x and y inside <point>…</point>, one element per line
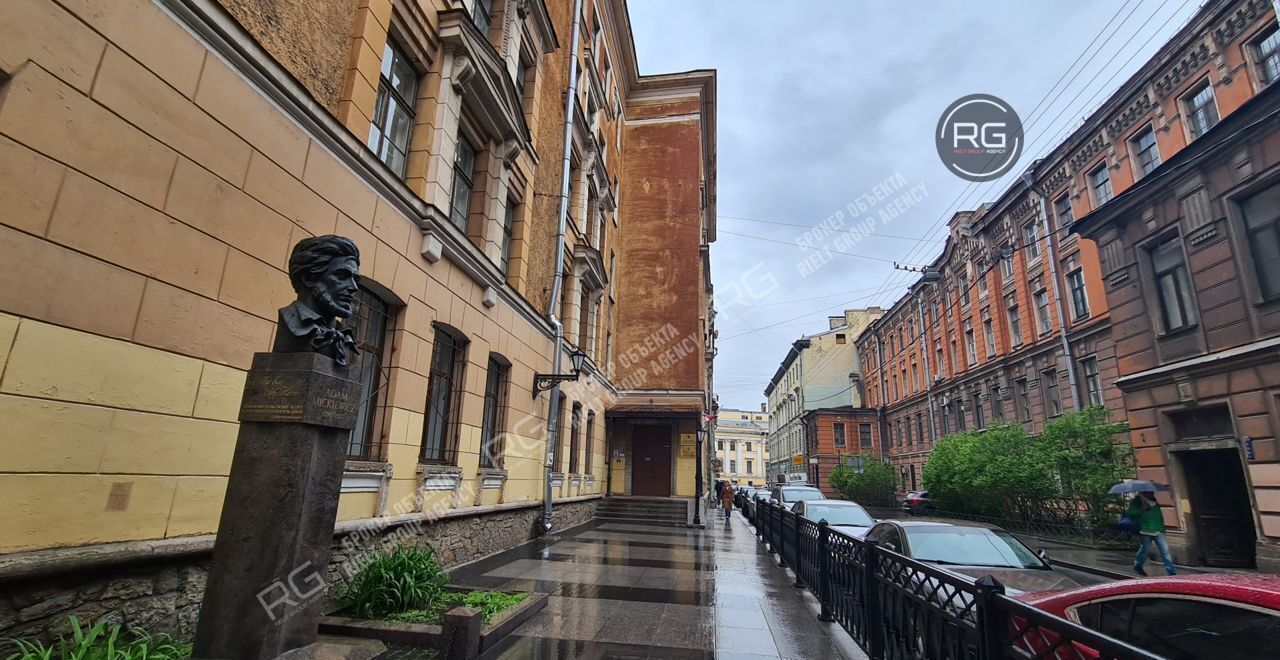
<point>1146,511</point>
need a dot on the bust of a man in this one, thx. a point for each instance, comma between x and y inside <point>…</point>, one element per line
<point>325,273</point>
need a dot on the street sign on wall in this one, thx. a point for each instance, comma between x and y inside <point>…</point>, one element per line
<point>798,459</point>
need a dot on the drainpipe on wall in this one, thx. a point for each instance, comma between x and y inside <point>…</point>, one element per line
<point>553,414</point>
<point>928,378</point>
<point>1052,256</point>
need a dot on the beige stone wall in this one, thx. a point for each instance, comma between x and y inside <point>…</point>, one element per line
<point>150,196</point>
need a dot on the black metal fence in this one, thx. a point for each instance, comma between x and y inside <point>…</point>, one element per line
<point>896,607</point>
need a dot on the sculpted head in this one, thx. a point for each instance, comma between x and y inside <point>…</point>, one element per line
<point>325,272</point>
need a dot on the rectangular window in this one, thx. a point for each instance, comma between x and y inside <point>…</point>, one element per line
<point>522,78</point>
<point>1006,263</point>
<point>840,338</point>
<point>1100,185</point>
<point>906,426</point>
<point>748,447</point>
<point>1145,152</point>
<point>1262,223</point>
<point>971,345</point>
<point>444,398</point>
<point>1062,210</point>
<point>1041,299</point>
<point>1173,286</point>
<point>920,426</point>
<point>1202,112</point>
<point>1092,381</point>
<point>1079,301</point>
<point>464,170</point>
<point>1032,234</point>
<point>370,324</point>
<point>997,406</point>
<point>733,466</point>
<point>1015,321</point>
<point>1266,52</point>
<point>837,431</point>
<point>915,377</point>
<point>481,11</point>
<point>988,333</point>
<point>508,233</point>
<point>864,436</point>
<point>982,286</point>
<point>979,420</point>
<point>964,289</point>
<point>941,366</point>
<point>495,405</point>
<point>751,470</point>
<point>1021,400</point>
<point>575,428</point>
<point>719,445</point>
<point>945,417</point>
<point>393,109</point>
<point>960,415</point>
<point>590,442</point>
<point>1052,395</point>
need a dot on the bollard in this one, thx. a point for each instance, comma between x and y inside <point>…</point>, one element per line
<point>824,571</point>
<point>462,627</point>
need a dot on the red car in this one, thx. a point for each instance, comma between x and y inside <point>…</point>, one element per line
<point>1223,616</point>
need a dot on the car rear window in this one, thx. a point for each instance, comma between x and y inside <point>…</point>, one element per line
<point>798,494</point>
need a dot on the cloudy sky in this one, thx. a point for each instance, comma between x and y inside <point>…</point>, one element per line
<point>821,101</point>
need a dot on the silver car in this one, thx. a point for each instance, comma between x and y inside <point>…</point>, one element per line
<point>789,495</point>
<point>847,517</point>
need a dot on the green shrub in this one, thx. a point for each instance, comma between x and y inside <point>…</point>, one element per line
<point>871,485</point>
<point>406,579</point>
<point>100,642</point>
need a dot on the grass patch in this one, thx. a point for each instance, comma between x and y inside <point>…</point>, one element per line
<point>489,603</point>
<point>404,580</point>
<point>100,642</point>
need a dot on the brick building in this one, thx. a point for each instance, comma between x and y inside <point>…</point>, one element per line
<point>835,435</point>
<point>1020,263</point>
<point>159,158</point>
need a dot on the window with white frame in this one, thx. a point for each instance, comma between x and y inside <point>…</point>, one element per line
<point>1146,153</point>
<point>1041,300</point>
<point>464,171</point>
<point>393,109</point>
<point>1062,211</point>
<point>1079,298</point>
<point>1032,234</point>
<point>1100,184</point>
<point>1200,108</point>
<point>837,432</point>
<point>508,234</point>
<point>1173,285</point>
<point>988,333</point>
<point>970,342</point>
<point>1262,225</point>
<point>1006,263</point>
<point>1015,321</point>
<point>1266,53</point>
<point>1092,381</point>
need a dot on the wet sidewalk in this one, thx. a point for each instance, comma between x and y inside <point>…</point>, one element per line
<point>628,590</point>
<point>1117,564</point>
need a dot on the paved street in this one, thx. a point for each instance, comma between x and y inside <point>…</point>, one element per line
<point>621,590</point>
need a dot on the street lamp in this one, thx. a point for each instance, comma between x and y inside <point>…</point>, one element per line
<point>543,382</point>
<point>697,488</point>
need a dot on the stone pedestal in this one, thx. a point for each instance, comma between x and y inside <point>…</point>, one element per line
<point>274,538</point>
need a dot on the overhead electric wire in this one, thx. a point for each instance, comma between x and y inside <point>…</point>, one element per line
<point>815,226</point>
<point>815,249</point>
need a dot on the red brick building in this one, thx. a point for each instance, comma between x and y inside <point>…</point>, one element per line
<point>833,433</point>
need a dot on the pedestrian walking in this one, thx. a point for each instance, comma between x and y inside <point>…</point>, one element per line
<point>1146,511</point>
<point>726,500</point>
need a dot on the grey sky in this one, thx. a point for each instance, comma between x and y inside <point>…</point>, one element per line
<point>819,101</point>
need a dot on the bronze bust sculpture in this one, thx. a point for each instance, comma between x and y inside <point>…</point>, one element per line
<point>325,273</point>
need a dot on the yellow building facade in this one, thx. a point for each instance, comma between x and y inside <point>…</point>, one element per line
<point>159,158</point>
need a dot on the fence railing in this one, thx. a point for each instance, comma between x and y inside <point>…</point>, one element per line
<point>896,607</point>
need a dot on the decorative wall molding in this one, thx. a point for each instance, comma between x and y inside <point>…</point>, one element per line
<point>1180,70</point>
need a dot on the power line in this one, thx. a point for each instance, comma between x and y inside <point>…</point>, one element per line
<point>816,249</point>
<point>792,224</point>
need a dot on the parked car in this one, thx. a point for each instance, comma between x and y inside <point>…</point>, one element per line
<point>1182,617</point>
<point>971,550</point>
<point>788,495</point>
<point>917,502</point>
<point>847,517</point>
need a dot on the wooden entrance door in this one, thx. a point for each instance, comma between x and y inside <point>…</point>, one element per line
<point>651,460</point>
<point>1220,507</point>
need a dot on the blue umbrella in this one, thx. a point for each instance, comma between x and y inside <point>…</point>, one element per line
<point>1138,486</point>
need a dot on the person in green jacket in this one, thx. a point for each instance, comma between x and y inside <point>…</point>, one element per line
<point>1146,511</point>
